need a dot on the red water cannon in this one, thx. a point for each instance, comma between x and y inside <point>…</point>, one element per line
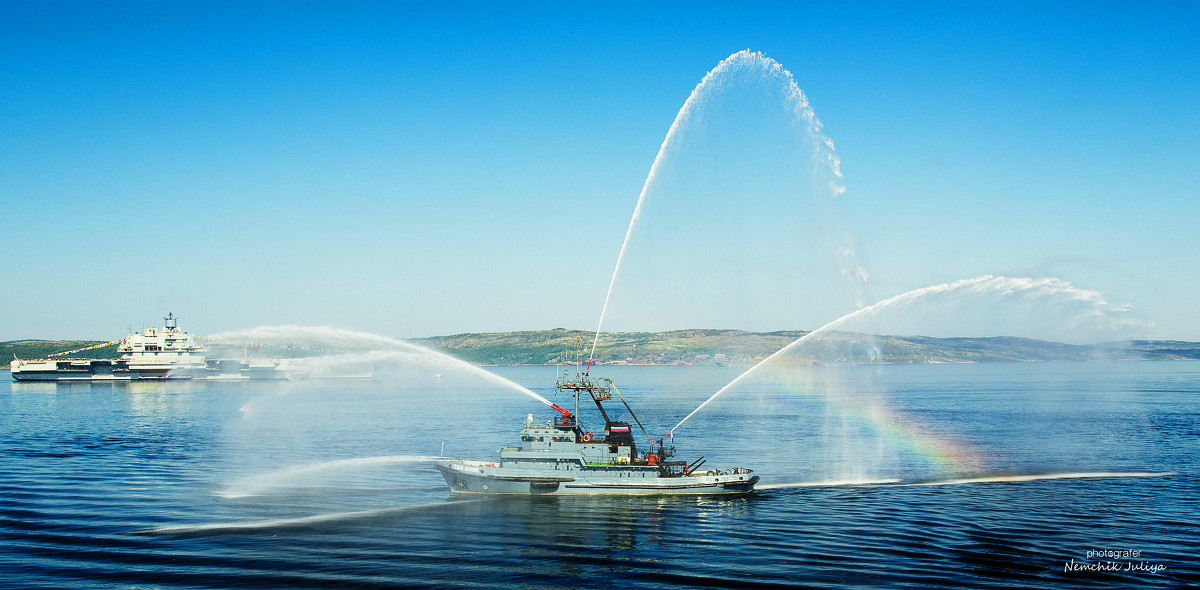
<point>566,415</point>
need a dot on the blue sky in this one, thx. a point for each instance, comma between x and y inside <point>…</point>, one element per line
<point>417,169</point>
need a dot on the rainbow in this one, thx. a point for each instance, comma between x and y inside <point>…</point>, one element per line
<point>947,454</point>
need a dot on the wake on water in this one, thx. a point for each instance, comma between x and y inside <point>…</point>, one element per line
<point>893,483</point>
<point>347,517</point>
<point>839,483</point>
<point>284,523</point>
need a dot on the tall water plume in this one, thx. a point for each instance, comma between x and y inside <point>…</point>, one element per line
<point>737,213</point>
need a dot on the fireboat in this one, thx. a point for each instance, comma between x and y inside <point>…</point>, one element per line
<point>560,457</point>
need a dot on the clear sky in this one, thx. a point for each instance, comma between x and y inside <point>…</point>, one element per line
<point>418,169</point>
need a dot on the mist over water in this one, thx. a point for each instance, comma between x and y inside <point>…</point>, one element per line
<point>862,434</point>
<point>357,411</point>
<point>310,475</point>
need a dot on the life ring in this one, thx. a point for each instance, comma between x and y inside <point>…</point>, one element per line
<point>587,436</point>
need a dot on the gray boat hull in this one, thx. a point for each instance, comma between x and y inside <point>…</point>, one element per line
<point>477,477</point>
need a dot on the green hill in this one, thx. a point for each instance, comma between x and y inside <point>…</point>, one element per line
<point>564,346</point>
<point>36,349</point>
<point>738,347</point>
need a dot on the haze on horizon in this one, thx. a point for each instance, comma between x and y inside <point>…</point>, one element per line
<point>416,170</point>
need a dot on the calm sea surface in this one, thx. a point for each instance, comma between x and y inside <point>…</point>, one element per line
<point>932,476</point>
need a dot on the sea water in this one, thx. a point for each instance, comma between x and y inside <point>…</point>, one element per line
<point>989,476</point>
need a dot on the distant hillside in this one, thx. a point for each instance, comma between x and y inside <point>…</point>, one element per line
<point>738,347</point>
<point>709,347</point>
<point>561,345</point>
<point>917,349</point>
<point>36,349</point>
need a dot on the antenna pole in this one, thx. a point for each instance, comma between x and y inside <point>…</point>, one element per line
<point>635,418</point>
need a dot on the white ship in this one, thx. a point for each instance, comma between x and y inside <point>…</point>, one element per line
<point>157,354</point>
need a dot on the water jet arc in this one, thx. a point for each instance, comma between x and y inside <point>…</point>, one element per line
<point>1088,304</point>
<point>378,349</point>
<point>797,104</point>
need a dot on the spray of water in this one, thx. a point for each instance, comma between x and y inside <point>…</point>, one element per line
<point>284,429</point>
<point>1040,477</point>
<point>753,65</point>
<point>1002,305</point>
<point>259,484</point>
<point>361,350</point>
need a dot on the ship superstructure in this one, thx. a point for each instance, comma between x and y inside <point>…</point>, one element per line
<point>559,457</point>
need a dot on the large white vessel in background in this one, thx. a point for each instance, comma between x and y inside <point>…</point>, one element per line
<point>156,354</point>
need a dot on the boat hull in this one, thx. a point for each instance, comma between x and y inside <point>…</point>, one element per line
<point>108,370</point>
<point>473,477</point>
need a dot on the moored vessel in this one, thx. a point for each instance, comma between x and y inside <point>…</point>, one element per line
<point>155,354</point>
<point>560,457</point>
